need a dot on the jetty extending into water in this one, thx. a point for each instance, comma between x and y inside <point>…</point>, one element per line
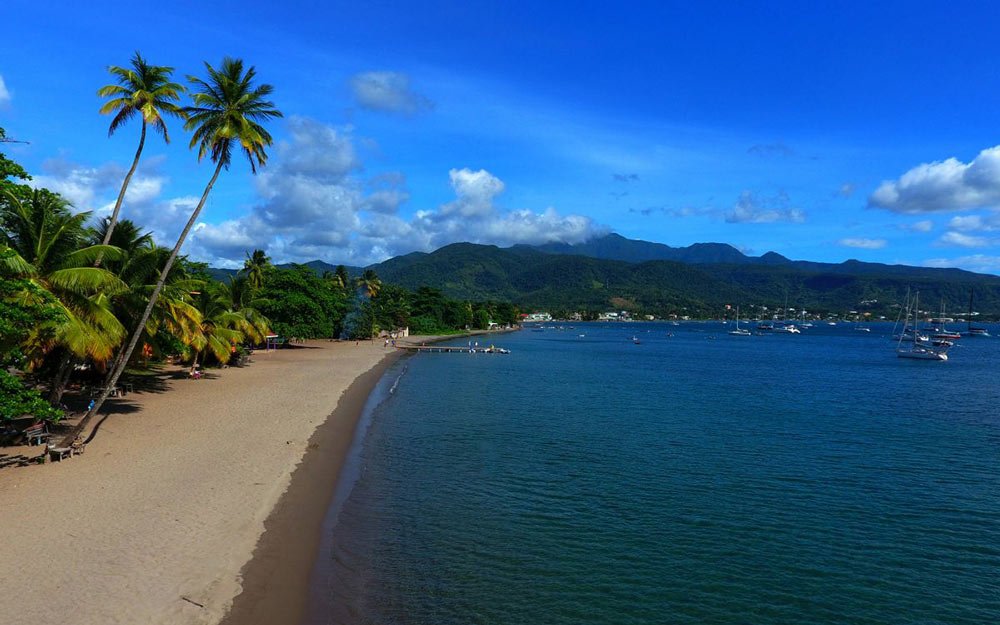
<point>453,349</point>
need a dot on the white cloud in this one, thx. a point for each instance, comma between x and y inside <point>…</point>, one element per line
<point>318,151</point>
<point>980,263</point>
<point>925,225</point>
<point>95,189</point>
<point>476,191</point>
<point>750,208</point>
<point>314,204</point>
<point>947,185</point>
<point>865,244</point>
<point>86,188</point>
<point>963,240</point>
<point>975,223</point>
<point>5,96</point>
<point>386,201</point>
<point>388,92</point>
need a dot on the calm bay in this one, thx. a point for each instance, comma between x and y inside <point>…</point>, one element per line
<point>688,476</point>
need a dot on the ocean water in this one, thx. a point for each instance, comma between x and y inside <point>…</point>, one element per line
<point>695,477</point>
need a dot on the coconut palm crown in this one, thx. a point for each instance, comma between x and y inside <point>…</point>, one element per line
<point>228,108</point>
<point>144,90</point>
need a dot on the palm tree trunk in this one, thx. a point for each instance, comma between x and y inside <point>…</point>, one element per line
<point>116,373</point>
<point>121,194</point>
<point>62,378</point>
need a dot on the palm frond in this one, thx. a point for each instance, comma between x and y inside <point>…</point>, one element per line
<point>13,265</point>
<point>88,255</point>
<point>87,280</point>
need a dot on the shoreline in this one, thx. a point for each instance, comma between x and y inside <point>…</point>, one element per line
<point>155,522</point>
<point>276,578</point>
<point>193,499</point>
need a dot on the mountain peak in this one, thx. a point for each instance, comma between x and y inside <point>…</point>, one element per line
<point>613,246</point>
<point>773,258</point>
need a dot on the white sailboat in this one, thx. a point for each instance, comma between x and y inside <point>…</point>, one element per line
<point>738,331</point>
<point>919,350</point>
<point>785,327</point>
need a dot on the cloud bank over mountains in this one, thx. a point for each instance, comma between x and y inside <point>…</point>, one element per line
<point>314,201</point>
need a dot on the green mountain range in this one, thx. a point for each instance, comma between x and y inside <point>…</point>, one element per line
<point>613,272</point>
<point>616,273</point>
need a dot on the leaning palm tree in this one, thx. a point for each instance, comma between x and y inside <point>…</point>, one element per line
<point>142,89</point>
<point>228,111</point>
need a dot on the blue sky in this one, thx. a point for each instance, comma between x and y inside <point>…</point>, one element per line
<point>822,131</point>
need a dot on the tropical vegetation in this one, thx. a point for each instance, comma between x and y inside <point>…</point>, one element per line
<point>81,294</point>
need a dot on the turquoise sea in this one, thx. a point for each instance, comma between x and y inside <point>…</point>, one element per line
<point>695,477</point>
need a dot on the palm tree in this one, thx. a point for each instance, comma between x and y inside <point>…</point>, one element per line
<point>139,267</point>
<point>370,282</point>
<point>144,89</point>
<point>254,267</point>
<point>228,111</point>
<point>52,252</point>
<point>342,276</point>
<point>221,328</point>
<point>333,280</point>
<point>243,299</point>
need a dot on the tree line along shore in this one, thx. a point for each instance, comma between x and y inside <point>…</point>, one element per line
<point>88,299</point>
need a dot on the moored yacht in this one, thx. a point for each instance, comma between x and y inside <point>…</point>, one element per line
<point>920,349</point>
<point>739,331</point>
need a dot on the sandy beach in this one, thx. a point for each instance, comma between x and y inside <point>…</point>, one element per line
<point>157,520</point>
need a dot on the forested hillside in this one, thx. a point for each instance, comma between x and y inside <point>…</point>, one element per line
<point>533,278</point>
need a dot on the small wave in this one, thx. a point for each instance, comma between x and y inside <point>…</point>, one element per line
<point>395,383</point>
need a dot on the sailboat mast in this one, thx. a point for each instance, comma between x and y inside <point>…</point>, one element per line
<point>906,321</point>
<point>969,317</point>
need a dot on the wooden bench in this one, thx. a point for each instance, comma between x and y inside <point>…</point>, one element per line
<point>36,434</point>
<point>56,454</point>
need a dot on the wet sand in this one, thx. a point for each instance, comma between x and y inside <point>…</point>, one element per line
<point>276,580</point>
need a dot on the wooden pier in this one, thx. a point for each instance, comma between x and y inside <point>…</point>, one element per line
<point>452,349</point>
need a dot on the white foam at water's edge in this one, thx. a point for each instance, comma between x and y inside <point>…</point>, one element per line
<point>398,378</point>
<point>350,473</point>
